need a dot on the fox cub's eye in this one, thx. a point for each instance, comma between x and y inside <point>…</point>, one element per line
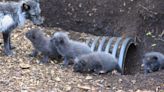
<point>33,37</point>
<point>25,7</point>
<point>61,41</point>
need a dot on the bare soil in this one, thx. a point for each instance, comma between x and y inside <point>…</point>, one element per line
<point>143,19</point>
<point>23,73</point>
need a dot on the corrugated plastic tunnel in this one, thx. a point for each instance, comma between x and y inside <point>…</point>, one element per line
<point>117,46</point>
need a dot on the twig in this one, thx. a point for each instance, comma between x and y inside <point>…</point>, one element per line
<point>160,39</point>
<point>161,34</point>
<point>155,13</point>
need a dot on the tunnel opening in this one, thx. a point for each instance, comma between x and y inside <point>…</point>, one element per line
<point>131,60</point>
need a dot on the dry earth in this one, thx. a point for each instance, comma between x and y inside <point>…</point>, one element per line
<point>23,73</point>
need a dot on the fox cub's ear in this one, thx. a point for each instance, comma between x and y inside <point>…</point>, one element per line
<point>25,7</point>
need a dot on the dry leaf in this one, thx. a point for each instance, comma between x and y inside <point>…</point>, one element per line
<point>148,33</point>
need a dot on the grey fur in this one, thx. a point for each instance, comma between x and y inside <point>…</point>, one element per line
<point>42,44</point>
<point>98,62</point>
<point>153,61</point>
<point>68,48</point>
<point>13,14</point>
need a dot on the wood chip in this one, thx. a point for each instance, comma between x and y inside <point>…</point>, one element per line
<point>24,66</point>
<point>89,77</point>
<point>133,81</point>
<point>86,87</point>
<point>68,88</point>
<point>57,79</point>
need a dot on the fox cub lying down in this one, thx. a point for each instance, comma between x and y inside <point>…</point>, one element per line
<point>153,61</point>
<point>98,62</point>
